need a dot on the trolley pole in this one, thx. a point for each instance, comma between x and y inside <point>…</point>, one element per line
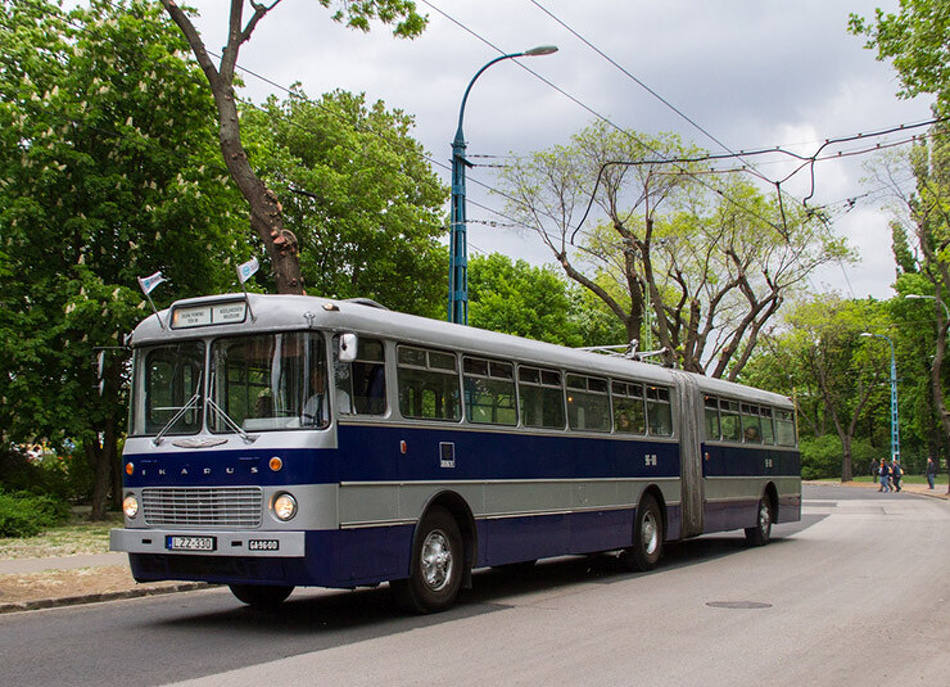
<point>895,425</point>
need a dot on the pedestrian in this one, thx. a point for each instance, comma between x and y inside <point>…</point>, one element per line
<point>896,473</point>
<point>931,472</point>
<point>883,473</point>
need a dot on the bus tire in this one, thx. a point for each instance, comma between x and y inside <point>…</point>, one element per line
<point>261,597</point>
<point>647,537</point>
<point>762,532</point>
<point>436,566</point>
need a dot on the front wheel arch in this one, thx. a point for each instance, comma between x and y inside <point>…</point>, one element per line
<point>437,564</point>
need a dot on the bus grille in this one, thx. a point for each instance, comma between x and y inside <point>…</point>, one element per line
<point>203,507</point>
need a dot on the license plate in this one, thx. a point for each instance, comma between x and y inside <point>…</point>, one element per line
<point>263,545</point>
<point>179,543</point>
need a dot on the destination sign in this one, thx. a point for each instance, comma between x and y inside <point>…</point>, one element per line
<point>210,314</point>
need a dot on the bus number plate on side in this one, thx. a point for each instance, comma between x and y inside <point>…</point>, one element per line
<point>178,543</point>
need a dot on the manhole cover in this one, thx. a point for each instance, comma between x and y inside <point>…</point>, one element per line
<point>738,604</point>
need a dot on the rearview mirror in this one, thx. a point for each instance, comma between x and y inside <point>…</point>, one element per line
<point>348,347</point>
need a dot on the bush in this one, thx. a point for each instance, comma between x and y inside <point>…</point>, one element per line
<point>822,456</point>
<point>64,475</point>
<point>24,515</point>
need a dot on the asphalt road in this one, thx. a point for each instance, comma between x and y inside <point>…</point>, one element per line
<point>858,592</point>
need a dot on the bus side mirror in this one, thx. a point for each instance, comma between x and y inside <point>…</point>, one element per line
<point>348,346</point>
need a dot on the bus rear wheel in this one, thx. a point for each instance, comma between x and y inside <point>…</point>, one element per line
<point>647,537</point>
<point>260,596</point>
<point>762,532</point>
<point>435,569</point>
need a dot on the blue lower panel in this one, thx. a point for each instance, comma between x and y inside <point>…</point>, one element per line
<point>342,558</point>
<point>730,515</point>
<point>511,540</point>
<point>789,508</point>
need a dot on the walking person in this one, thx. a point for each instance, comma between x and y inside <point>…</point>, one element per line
<point>896,473</point>
<point>931,472</point>
<point>883,473</point>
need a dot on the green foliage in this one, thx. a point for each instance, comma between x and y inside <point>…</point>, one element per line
<point>821,456</point>
<point>23,514</point>
<point>514,297</point>
<point>107,172</point>
<point>697,265</point>
<point>357,15</point>
<point>917,41</point>
<point>360,198</point>
<point>64,476</point>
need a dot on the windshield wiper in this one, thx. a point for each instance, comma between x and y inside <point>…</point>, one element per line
<point>192,403</point>
<point>216,409</point>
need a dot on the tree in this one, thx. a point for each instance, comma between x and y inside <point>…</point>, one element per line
<point>917,41</point>
<point>359,196</point>
<point>266,211</point>
<point>107,173</point>
<point>924,214</point>
<point>831,370</point>
<point>700,264</point>
<point>534,302</point>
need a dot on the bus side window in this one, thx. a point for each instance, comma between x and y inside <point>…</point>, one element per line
<point>785,428</point>
<point>541,397</point>
<point>751,424</point>
<point>712,418</point>
<point>768,434</point>
<point>428,384</point>
<point>361,385</point>
<point>629,413</point>
<point>489,392</point>
<point>731,429</point>
<point>659,412</point>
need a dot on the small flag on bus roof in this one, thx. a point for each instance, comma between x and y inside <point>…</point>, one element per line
<point>147,284</point>
<point>247,269</point>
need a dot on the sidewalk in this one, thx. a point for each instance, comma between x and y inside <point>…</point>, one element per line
<point>940,492</point>
<point>28,584</point>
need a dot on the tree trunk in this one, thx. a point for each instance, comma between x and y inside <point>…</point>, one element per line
<point>266,212</point>
<point>97,458</point>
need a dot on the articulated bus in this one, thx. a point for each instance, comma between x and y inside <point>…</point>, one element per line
<point>277,441</point>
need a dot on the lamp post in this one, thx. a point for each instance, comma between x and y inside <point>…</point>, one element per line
<point>458,242</point>
<point>895,433</point>
<point>917,296</point>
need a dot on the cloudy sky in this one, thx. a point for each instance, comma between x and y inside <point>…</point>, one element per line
<point>750,73</point>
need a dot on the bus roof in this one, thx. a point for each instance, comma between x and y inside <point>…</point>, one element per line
<point>195,318</point>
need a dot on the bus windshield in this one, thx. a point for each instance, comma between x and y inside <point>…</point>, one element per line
<point>269,381</point>
<point>256,383</point>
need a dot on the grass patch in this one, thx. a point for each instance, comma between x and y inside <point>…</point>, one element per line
<point>76,537</point>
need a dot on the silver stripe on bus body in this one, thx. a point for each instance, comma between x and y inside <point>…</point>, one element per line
<point>257,543</point>
<point>364,504</point>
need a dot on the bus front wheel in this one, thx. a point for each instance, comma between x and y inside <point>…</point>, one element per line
<point>435,569</point>
<point>260,596</point>
<point>647,537</point>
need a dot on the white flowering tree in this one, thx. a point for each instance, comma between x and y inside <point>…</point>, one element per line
<point>108,171</point>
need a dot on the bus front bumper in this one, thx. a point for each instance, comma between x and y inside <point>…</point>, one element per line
<point>264,544</point>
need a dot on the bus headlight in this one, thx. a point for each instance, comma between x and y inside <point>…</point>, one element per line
<point>130,506</point>
<point>285,506</point>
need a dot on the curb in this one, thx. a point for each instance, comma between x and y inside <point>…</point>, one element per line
<point>39,604</point>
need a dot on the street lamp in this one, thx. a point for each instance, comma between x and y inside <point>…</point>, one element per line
<point>458,243</point>
<point>895,433</point>
<point>917,297</point>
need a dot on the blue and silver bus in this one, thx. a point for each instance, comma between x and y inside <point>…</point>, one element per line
<point>277,441</point>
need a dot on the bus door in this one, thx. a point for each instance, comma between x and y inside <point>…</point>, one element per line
<point>690,406</point>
